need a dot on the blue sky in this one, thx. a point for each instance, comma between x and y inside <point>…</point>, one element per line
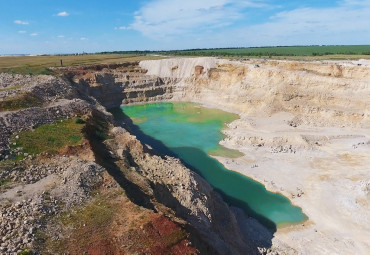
<point>68,26</point>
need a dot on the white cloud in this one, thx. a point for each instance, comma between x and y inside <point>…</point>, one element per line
<point>219,23</point>
<point>122,28</point>
<point>162,18</point>
<point>60,36</point>
<point>83,39</point>
<point>348,23</point>
<point>34,34</point>
<point>20,22</point>
<point>22,32</point>
<point>63,14</point>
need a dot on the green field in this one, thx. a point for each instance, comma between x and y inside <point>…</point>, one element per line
<point>282,51</point>
<point>316,52</point>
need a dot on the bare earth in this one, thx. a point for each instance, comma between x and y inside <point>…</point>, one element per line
<point>330,181</point>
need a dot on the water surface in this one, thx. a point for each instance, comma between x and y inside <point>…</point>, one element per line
<point>192,132</point>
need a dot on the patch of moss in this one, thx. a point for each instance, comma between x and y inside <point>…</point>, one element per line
<point>46,245</point>
<point>18,102</point>
<point>29,69</point>
<point>4,182</point>
<point>25,252</point>
<point>175,237</point>
<point>94,215</point>
<point>80,121</point>
<point>50,137</point>
<point>11,88</point>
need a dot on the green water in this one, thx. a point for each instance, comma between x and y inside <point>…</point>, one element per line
<point>192,133</point>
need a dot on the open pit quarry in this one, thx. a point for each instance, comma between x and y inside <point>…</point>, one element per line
<point>304,131</point>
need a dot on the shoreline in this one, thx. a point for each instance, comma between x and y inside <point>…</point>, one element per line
<point>221,158</point>
<point>313,234</point>
<point>286,234</point>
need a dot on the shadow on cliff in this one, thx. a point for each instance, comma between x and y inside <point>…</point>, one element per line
<point>103,158</point>
<point>265,231</point>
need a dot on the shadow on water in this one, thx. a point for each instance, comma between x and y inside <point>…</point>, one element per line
<point>195,159</point>
<point>161,149</point>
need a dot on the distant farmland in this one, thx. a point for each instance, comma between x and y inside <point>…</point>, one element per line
<point>266,51</point>
<point>42,64</point>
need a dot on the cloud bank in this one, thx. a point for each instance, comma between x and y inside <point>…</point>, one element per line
<point>213,23</point>
<point>162,18</point>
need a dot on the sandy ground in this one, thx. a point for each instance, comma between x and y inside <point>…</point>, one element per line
<point>325,171</point>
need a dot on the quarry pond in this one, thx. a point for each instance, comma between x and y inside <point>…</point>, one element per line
<point>192,133</point>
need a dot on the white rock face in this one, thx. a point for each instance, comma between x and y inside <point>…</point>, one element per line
<point>180,67</point>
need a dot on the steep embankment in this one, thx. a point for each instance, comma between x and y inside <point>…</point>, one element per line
<point>304,130</point>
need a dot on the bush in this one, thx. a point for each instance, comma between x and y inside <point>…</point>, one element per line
<point>80,121</point>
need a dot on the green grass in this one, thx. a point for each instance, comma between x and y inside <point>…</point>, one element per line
<point>50,137</point>
<point>97,214</point>
<point>175,237</point>
<point>4,183</point>
<point>10,88</point>
<point>25,252</point>
<point>281,51</point>
<point>31,70</point>
<point>18,102</point>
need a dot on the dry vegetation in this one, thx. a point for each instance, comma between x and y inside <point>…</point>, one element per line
<point>41,64</point>
<point>18,102</point>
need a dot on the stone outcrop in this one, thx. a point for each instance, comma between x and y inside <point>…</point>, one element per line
<point>125,84</point>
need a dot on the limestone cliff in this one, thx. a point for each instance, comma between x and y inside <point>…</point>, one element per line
<point>316,93</point>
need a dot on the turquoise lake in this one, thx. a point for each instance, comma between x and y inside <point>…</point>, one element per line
<point>192,133</point>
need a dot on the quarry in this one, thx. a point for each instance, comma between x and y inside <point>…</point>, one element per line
<point>303,132</point>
